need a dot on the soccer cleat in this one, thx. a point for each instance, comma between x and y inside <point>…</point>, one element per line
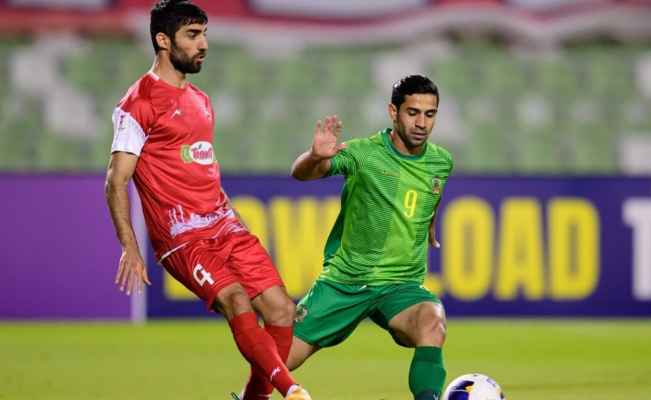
<point>298,394</point>
<point>234,396</point>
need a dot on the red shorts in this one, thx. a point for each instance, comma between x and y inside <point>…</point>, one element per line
<point>207,266</point>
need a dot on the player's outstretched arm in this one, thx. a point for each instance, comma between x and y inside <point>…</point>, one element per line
<point>315,163</point>
<point>132,272</point>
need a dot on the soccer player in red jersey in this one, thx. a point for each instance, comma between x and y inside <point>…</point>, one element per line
<point>163,130</point>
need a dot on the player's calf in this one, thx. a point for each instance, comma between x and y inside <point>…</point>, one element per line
<point>277,311</point>
<point>423,326</point>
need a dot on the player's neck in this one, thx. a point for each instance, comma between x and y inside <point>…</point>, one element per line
<point>402,148</point>
<point>164,69</point>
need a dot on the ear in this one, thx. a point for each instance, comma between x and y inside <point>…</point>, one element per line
<point>163,41</point>
<point>393,112</point>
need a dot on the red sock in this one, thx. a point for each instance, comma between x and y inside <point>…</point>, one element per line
<point>258,387</point>
<point>283,336</point>
<point>258,347</point>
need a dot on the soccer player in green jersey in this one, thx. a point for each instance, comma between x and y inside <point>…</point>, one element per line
<point>376,255</point>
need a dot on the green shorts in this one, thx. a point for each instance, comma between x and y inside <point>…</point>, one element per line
<point>330,311</point>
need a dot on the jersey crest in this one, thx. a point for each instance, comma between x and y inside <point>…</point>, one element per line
<point>436,185</point>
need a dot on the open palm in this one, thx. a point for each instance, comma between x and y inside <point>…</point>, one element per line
<point>326,135</point>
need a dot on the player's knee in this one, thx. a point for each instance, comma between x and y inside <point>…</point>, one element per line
<point>431,329</point>
<point>290,310</point>
<point>286,313</point>
<point>432,332</point>
<point>282,313</point>
<point>234,301</point>
<point>239,302</point>
<point>439,331</point>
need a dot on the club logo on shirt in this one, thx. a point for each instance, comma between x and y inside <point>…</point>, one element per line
<point>301,313</point>
<point>436,185</point>
<point>199,152</point>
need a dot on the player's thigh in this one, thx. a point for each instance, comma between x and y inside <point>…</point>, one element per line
<point>201,267</point>
<point>412,315</point>
<point>330,312</point>
<point>250,263</point>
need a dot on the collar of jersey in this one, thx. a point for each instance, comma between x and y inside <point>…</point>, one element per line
<point>169,85</point>
<point>389,144</point>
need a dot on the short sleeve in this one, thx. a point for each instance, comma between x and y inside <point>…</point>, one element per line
<point>131,122</point>
<point>447,156</point>
<point>344,163</point>
<point>451,164</point>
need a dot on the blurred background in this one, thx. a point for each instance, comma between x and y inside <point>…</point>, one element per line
<point>529,86</point>
<point>545,106</point>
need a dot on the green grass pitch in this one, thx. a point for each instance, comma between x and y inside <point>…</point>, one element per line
<point>531,359</point>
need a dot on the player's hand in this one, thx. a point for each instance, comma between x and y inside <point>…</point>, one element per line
<point>132,273</point>
<point>326,135</point>
<point>432,234</point>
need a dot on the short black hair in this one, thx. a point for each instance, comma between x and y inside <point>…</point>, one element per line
<point>168,16</point>
<point>413,84</point>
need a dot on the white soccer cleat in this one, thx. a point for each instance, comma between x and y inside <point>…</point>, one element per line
<point>298,394</point>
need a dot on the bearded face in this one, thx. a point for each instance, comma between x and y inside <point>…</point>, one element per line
<point>184,62</point>
<point>188,48</point>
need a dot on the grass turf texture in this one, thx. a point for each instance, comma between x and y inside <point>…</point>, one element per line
<point>531,359</point>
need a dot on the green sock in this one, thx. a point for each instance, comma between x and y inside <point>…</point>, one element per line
<point>426,373</point>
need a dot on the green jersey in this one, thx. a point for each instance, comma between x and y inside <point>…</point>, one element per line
<point>387,204</point>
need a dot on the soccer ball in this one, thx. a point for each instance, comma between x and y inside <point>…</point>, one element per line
<point>473,387</point>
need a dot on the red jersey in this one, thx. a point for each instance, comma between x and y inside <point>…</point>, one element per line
<point>177,176</point>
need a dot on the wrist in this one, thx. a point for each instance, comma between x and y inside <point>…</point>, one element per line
<point>130,245</point>
<point>315,158</point>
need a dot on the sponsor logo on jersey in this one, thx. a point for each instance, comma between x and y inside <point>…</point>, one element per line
<point>198,152</point>
<point>436,185</point>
